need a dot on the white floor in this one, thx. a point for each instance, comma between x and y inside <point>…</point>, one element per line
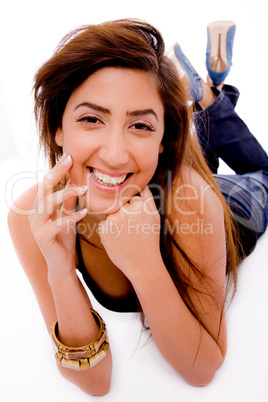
<point>27,369</point>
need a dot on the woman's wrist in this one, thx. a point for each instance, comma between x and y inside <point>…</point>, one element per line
<point>77,326</point>
<point>57,277</point>
<point>147,270</point>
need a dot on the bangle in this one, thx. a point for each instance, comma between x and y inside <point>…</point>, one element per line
<point>84,357</point>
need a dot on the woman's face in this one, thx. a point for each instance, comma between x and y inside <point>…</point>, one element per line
<point>112,126</point>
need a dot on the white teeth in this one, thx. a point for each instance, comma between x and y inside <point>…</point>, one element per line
<point>108,180</point>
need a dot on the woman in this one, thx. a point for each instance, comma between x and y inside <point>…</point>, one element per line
<point>130,202</point>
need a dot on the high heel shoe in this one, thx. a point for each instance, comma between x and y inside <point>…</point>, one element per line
<point>220,38</point>
<point>195,83</point>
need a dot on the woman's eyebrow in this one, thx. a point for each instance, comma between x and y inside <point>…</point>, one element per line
<point>142,113</point>
<point>101,109</point>
<point>94,107</point>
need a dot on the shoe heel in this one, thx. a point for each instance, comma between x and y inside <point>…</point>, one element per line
<point>219,50</point>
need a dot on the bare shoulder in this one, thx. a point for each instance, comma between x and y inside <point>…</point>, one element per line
<point>26,199</point>
<point>197,220</point>
<point>18,221</point>
<point>192,196</point>
<point>28,252</point>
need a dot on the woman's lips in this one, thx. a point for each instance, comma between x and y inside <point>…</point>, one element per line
<point>111,182</point>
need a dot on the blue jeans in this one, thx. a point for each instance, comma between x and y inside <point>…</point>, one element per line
<point>222,134</point>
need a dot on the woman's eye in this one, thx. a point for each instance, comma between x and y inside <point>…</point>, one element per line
<point>143,127</point>
<point>89,119</point>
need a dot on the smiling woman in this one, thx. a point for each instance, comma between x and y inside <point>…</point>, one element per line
<point>114,145</point>
<point>131,202</point>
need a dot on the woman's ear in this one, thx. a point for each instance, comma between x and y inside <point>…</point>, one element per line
<point>59,137</point>
<point>161,148</point>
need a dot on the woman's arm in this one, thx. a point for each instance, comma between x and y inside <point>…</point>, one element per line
<point>188,347</point>
<point>195,351</point>
<point>60,295</point>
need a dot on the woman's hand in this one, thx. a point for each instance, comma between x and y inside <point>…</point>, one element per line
<point>131,236</point>
<point>54,230</point>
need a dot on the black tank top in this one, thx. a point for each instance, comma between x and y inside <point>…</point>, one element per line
<point>126,304</point>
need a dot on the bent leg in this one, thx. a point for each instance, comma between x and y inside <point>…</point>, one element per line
<point>224,135</point>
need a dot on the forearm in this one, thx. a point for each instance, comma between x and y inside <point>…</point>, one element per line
<point>77,327</point>
<point>75,321</point>
<point>180,338</point>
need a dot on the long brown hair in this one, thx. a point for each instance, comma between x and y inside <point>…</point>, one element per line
<point>136,45</point>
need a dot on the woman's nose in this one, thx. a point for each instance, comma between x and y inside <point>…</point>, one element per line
<point>114,152</point>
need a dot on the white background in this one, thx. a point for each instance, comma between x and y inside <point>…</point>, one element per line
<point>29,33</point>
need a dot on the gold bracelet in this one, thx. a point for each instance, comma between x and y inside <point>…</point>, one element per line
<point>84,357</point>
<point>83,364</point>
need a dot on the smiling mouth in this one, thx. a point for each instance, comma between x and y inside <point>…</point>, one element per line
<point>106,180</point>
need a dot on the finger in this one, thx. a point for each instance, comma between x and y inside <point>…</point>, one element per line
<point>69,205</point>
<point>67,221</point>
<point>135,199</point>
<point>148,200</point>
<point>146,193</point>
<point>133,207</point>
<point>49,204</point>
<point>51,180</point>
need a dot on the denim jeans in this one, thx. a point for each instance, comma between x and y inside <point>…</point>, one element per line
<point>222,134</point>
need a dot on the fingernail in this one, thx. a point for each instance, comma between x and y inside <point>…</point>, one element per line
<point>69,183</point>
<point>83,188</point>
<point>62,157</point>
<point>67,160</point>
<point>83,211</point>
<point>145,189</point>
